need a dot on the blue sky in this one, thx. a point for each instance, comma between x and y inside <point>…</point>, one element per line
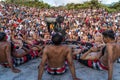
<point>63,2</point>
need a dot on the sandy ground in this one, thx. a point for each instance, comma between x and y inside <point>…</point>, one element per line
<point>30,72</point>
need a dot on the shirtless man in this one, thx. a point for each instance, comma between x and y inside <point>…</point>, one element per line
<point>109,54</point>
<point>55,56</point>
<point>6,52</point>
<point>118,41</point>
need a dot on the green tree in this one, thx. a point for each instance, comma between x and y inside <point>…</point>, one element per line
<point>116,6</point>
<point>36,0</point>
<point>12,1</point>
<point>95,4</point>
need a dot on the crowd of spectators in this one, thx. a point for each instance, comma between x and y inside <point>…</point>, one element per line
<point>26,26</point>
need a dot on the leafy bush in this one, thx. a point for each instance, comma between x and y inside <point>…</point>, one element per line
<point>35,3</point>
<point>89,4</point>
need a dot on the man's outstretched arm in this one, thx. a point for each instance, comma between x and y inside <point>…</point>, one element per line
<point>42,64</point>
<point>71,64</point>
<point>110,63</point>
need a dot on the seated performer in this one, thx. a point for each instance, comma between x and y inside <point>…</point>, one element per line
<point>55,55</point>
<point>21,53</point>
<point>118,41</point>
<point>110,53</point>
<point>5,54</point>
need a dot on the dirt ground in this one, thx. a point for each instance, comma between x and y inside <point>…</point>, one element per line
<point>29,71</point>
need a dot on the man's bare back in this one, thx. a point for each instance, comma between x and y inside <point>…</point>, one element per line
<point>3,55</point>
<point>112,49</point>
<point>56,55</point>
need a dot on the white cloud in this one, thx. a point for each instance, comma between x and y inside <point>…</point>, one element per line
<point>61,2</point>
<point>109,1</point>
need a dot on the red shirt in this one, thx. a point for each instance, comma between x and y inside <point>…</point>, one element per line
<point>15,25</point>
<point>19,20</point>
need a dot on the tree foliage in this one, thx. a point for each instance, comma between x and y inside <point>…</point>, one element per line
<point>30,3</point>
<point>88,4</point>
<point>116,6</point>
<point>94,4</point>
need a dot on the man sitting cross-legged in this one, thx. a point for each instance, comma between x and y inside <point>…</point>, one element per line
<point>55,55</point>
